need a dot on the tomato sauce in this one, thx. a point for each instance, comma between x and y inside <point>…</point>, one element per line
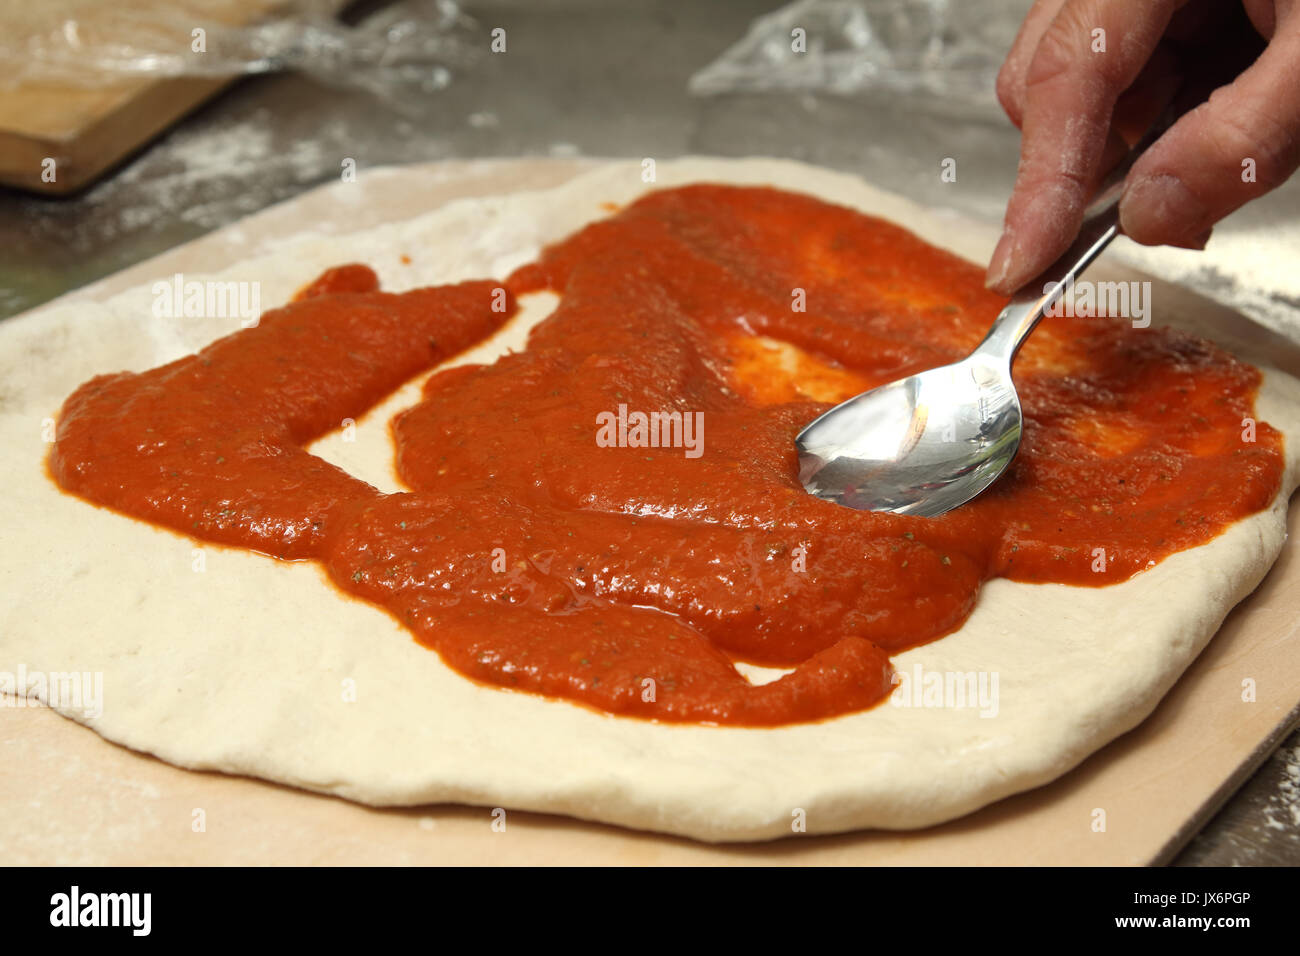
<point>532,556</point>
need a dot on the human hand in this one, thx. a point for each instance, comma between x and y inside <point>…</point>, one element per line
<point>1080,108</point>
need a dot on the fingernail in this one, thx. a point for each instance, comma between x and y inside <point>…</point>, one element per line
<point>1000,264</point>
<point>1161,209</point>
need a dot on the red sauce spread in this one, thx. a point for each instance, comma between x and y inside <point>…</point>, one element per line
<point>630,579</point>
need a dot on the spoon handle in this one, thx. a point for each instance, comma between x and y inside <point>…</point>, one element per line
<point>1100,226</point>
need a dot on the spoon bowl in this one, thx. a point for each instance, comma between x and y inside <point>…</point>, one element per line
<point>920,445</point>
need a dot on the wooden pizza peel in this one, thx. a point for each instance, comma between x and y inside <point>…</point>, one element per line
<point>70,797</point>
<point>89,124</point>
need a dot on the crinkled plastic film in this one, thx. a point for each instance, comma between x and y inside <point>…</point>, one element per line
<point>942,55</point>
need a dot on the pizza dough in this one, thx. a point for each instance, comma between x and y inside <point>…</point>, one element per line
<point>219,659</point>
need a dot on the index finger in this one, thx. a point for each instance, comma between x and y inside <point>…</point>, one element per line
<point>1091,53</point>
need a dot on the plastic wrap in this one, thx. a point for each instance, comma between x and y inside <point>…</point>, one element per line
<point>942,55</point>
<point>413,46</point>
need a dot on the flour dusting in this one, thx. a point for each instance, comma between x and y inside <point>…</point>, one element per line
<point>1282,812</point>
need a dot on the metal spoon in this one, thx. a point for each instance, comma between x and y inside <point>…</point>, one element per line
<point>925,444</point>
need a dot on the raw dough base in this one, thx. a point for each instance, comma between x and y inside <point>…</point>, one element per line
<point>243,666</point>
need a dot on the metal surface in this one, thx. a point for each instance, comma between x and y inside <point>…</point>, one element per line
<point>921,445</point>
<point>602,78</point>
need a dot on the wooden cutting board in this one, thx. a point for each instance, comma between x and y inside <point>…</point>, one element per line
<point>69,797</point>
<point>89,124</point>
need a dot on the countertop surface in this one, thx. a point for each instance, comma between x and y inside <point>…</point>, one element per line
<point>609,78</point>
